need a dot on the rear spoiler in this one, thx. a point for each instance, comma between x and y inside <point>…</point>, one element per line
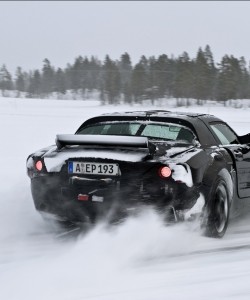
<point>104,140</point>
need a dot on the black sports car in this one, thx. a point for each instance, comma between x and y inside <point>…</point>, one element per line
<point>182,164</point>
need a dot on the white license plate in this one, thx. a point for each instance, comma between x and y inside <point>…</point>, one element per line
<point>76,167</point>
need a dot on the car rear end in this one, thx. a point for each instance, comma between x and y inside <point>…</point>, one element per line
<point>112,167</point>
<point>79,193</point>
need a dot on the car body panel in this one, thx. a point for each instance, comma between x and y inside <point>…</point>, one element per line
<point>194,166</point>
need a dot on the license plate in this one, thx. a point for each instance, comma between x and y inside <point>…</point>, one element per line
<point>75,167</point>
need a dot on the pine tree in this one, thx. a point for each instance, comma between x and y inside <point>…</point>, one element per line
<point>228,78</point>
<point>184,78</point>
<point>211,73</point>
<point>48,78</point>
<point>5,80</point>
<point>19,83</point>
<point>60,81</point>
<point>164,75</point>
<point>139,82</point>
<point>243,85</point>
<point>152,88</point>
<point>94,73</point>
<point>35,86</point>
<point>77,74</point>
<point>201,75</point>
<point>125,68</point>
<point>67,76</point>
<point>111,80</point>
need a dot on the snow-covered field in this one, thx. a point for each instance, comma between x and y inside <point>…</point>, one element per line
<point>138,260</point>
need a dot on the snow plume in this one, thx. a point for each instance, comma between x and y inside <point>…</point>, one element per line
<point>99,264</point>
<point>139,239</point>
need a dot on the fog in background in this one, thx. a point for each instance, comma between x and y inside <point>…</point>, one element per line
<point>62,30</point>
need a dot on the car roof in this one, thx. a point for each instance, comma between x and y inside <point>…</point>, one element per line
<point>155,113</point>
<point>158,114</point>
<point>196,121</point>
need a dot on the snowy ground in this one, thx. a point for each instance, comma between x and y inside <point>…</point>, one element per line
<point>139,260</point>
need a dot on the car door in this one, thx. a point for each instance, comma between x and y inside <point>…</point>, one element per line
<point>241,152</point>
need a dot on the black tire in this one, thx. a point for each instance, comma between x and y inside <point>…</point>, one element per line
<point>217,210</point>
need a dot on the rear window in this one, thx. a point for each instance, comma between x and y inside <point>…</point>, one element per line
<point>111,129</point>
<point>160,131</point>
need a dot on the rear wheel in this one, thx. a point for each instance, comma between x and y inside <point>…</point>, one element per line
<point>217,209</point>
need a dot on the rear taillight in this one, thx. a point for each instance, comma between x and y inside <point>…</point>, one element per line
<point>164,172</point>
<point>39,165</point>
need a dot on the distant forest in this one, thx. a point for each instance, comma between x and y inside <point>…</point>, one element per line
<point>116,81</point>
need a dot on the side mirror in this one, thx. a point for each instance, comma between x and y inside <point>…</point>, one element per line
<point>244,139</point>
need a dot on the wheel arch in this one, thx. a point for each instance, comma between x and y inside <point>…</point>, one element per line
<point>221,165</point>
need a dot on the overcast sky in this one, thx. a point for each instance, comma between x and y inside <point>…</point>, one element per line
<point>63,30</point>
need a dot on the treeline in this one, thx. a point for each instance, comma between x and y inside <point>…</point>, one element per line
<point>151,78</point>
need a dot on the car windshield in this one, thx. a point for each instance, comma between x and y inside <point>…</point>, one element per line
<point>159,131</point>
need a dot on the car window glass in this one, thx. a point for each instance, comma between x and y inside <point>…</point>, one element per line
<point>111,129</point>
<point>122,129</point>
<point>224,134</point>
<point>173,132</point>
<point>97,129</point>
<point>159,131</point>
<point>169,132</point>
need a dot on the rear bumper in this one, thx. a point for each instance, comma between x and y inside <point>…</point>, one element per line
<point>105,197</point>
